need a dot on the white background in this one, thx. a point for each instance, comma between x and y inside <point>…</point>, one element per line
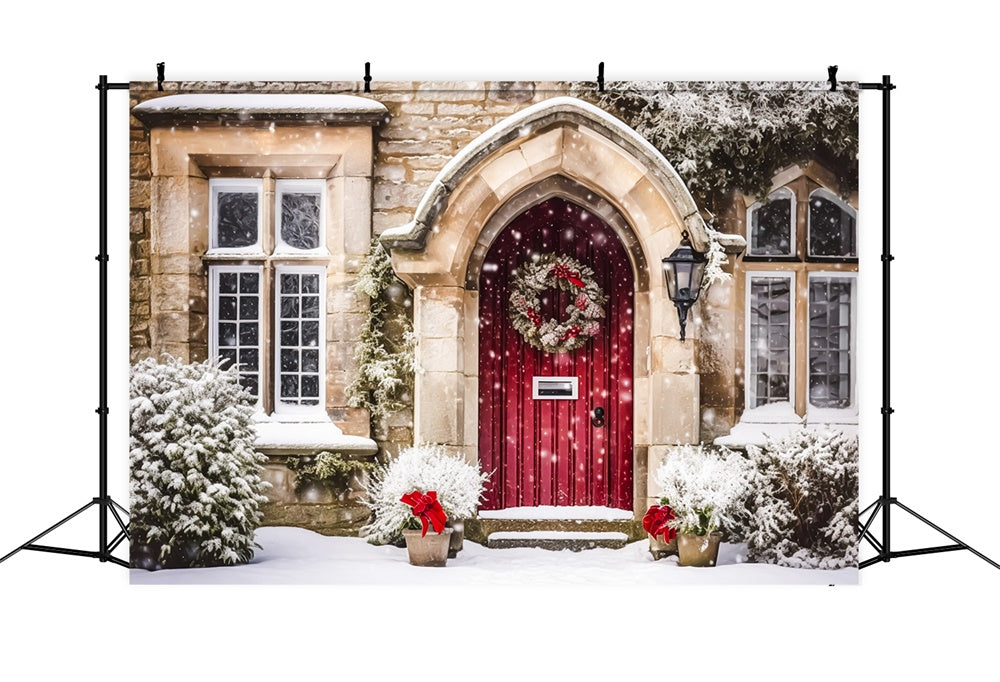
<point>916,617</point>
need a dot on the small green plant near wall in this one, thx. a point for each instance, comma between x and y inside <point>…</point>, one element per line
<point>384,354</point>
<point>328,468</point>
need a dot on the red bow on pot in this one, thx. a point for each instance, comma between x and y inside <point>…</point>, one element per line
<point>656,522</point>
<point>427,509</point>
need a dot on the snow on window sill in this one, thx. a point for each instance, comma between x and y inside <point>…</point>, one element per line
<point>231,254</point>
<point>779,419</point>
<point>276,436</point>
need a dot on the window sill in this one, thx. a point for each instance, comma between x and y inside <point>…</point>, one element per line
<point>303,437</point>
<point>779,419</point>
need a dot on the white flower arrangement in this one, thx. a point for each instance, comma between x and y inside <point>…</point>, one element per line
<point>459,487</point>
<point>705,486</point>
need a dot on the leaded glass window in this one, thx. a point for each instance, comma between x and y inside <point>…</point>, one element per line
<point>235,214</point>
<point>769,371</point>
<point>300,339</point>
<point>300,214</point>
<point>235,315</point>
<point>830,300</point>
<point>772,225</point>
<point>832,227</point>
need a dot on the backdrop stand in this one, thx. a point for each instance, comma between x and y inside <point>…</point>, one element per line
<point>105,505</point>
<point>886,501</point>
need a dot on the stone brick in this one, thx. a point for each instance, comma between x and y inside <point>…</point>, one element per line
<point>423,108</point>
<point>139,165</point>
<point>136,222</point>
<point>431,162</point>
<point>451,91</point>
<point>414,147</point>
<point>140,268</point>
<point>397,194</point>
<point>394,172</point>
<point>138,193</point>
<point>382,220</point>
<point>512,91</point>
<point>446,109</point>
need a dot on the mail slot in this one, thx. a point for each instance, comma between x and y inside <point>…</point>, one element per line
<point>554,388</point>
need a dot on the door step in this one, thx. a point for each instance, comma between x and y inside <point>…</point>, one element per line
<point>480,529</point>
<point>574,541</point>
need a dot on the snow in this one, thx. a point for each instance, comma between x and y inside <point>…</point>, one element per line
<point>558,513</point>
<point>298,556</point>
<point>777,420</point>
<point>557,535</point>
<point>235,103</point>
<point>275,435</point>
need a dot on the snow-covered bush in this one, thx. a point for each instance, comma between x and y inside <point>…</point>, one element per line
<point>706,486</point>
<point>805,504</point>
<point>331,468</point>
<point>459,487</point>
<point>196,491</point>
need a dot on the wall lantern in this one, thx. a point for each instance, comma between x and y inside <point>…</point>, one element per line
<point>683,270</point>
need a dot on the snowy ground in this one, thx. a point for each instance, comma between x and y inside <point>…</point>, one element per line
<point>298,556</point>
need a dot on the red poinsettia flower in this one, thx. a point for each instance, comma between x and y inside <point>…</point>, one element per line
<point>656,522</point>
<point>427,509</point>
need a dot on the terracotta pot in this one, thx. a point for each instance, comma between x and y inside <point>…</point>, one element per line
<point>659,549</point>
<point>430,550</point>
<point>457,537</point>
<point>698,550</point>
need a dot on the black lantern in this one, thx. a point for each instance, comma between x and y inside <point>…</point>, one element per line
<point>683,270</point>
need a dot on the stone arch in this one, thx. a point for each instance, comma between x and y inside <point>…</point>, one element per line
<point>560,146</point>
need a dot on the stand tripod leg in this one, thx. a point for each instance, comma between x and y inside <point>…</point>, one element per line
<point>29,543</point>
<point>948,548</point>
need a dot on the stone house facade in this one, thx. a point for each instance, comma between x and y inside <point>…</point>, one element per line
<point>438,171</point>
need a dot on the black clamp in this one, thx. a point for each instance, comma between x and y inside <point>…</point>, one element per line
<point>887,410</point>
<point>888,258</point>
<point>102,258</point>
<point>600,77</point>
<point>161,67</point>
<point>368,77</point>
<point>832,71</point>
<point>101,410</point>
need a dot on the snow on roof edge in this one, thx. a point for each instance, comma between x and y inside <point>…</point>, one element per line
<point>273,103</point>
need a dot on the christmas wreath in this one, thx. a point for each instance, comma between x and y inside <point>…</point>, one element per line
<point>560,272</point>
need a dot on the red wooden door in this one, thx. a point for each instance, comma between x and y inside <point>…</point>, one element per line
<point>548,452</point>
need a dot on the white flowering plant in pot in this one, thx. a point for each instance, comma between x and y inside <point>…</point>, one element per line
<point>459,486</point>
<point>707,488</point>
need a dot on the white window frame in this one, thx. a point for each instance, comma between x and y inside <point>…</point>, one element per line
<point>749,387</point>
<point>295,186</point>
<point>829,196</point>
<point>780,193</point>
<point>216,185</point>
<point>836,414</point>
<point>213,318</point>
<point>285,412</point>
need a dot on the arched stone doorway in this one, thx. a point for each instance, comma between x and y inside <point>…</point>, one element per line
<point>558,147</point>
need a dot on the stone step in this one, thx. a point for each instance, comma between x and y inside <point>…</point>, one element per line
<point>575,541</point>
<point>479,529</point>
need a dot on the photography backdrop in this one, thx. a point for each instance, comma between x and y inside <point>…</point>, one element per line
<point>526,223</point>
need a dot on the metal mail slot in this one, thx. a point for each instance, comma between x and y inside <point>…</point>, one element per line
<point>554,388</point>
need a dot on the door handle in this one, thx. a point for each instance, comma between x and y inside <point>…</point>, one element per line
<point>597,417</point>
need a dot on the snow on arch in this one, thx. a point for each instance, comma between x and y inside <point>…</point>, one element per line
<point>413,235</point>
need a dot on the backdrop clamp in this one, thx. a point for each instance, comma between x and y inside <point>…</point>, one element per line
<point>600,77</point>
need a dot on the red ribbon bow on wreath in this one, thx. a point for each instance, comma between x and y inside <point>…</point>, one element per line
<point>563,272</point>
<point>427,509</point>
<point>656,522</point>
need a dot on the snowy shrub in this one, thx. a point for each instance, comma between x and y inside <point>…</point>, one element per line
<point>726,136</point>
<point>706,486</point>
<point>384,354</point>
<point>196,491</point>
<point>328,467</point>
<point>459,487</point>
<point>805,505</point>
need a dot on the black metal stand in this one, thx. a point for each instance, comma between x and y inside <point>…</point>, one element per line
<point>886,501</point>
<point>105,505</point>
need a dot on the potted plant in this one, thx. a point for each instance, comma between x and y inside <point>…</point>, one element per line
<point>706,488</point>
<point>457,483</point>
<point>424,549</point>
<point>662,537</point>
